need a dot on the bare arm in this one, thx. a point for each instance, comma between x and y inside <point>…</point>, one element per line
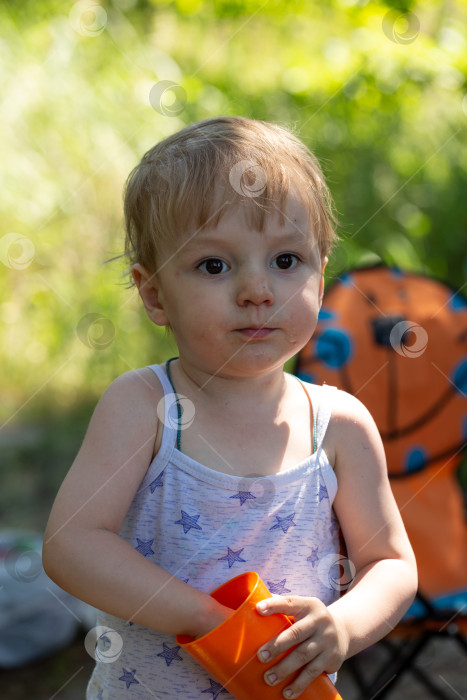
<point>83,551</point>
<point>377,544</point>
<point>378,550</point>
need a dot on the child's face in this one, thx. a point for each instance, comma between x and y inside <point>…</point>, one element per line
<point>240,302</point>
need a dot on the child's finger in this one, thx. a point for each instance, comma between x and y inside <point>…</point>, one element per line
<point>295,606</point>
<point>308,620</point>
<point>285,640</point>
<point>307,675</point>
<point>303,657</point>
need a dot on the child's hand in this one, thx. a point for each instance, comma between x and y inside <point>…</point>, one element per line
<point>321,642</point>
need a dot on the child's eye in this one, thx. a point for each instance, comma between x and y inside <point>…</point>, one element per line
<point>213,266</point>
<point>285,261</point>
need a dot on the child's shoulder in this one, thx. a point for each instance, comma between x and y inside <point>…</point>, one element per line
<point>142,380</point>
<point>348,415</point>
<point>344,405</point>
<point>347,407</point>
<point>351,425</point>
<point>136,392</point>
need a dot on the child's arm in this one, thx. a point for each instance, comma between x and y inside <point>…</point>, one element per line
<point>377,546</point>
<point>83,551</point>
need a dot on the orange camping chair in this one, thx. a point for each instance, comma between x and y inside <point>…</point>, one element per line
<point>398,341</point>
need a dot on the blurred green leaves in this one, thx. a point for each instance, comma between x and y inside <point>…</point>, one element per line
<point>377,89</point>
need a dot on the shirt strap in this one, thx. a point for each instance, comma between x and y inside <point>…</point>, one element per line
<point>312,414</point>
<point>179,408</point>
<point>327,397</point>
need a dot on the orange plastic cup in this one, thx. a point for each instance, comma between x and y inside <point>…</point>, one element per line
<point>229,651</point>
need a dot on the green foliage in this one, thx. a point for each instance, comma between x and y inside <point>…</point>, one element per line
<point>376,89</point>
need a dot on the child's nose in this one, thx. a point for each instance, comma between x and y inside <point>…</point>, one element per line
<point>254,288</point>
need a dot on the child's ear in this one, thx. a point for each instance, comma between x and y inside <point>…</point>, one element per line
<point>151,294</point>
<point>321,282</point>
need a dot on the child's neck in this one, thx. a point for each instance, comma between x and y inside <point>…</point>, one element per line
<point>266,387</point>
<point>230,414</point>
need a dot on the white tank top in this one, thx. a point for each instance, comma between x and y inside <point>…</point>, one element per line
<point>206,527</point>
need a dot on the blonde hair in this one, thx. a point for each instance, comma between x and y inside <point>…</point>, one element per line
<point>189,179</point>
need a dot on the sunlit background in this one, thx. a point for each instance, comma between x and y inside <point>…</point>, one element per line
<point>378,93</point>
<point>376,89</point>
